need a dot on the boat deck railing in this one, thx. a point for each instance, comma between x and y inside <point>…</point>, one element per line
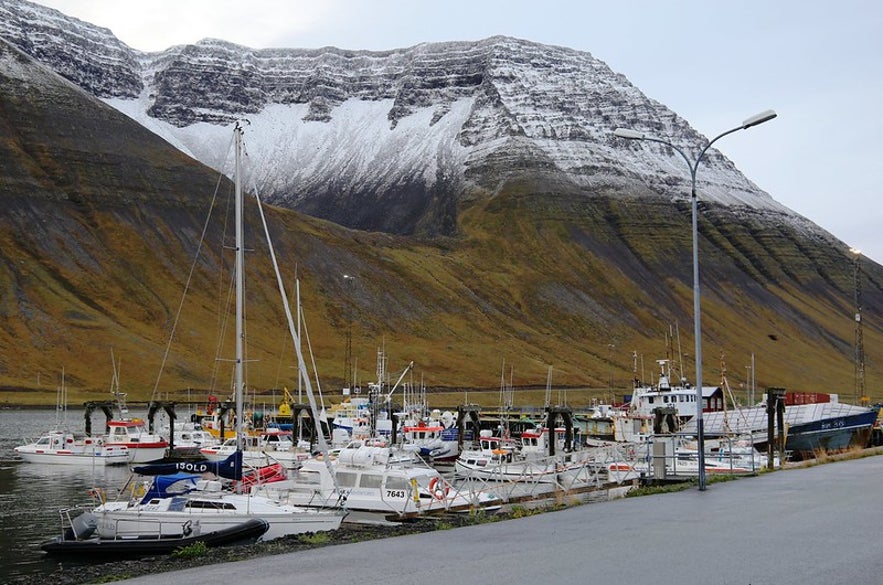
<point>80,523</point>
<point>577,472</point>
<point>674,457</point>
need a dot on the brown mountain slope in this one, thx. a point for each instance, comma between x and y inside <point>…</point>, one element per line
<point>101,222</point>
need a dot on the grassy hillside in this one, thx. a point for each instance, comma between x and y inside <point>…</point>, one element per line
<point>101,233</point>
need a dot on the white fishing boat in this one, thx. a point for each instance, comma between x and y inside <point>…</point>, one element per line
<point>375,484</point>
<point>142,445</point>
<point>423,437</point>
<point>498,459</point>
<point>366,417</point>
<point>62,448</point>
<point>189,438</point>
<point>269,447</point>
<point>123,430</point>
<point>680,396</point>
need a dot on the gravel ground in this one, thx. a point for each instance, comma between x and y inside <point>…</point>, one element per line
<point>77,574</point>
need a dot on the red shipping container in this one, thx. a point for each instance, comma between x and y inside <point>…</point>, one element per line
<point>794,398</point>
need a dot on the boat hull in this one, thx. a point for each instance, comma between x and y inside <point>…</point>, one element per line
<point>807,440</point>
<point>69,458</point>
<point>143,452</point>
<point>244,532</point>
<point>118,521</point>
<point>59,449</point>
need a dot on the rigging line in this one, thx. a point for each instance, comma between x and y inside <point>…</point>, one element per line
<point>255,190</point>
<point>187,285</point>
<point>323,445</point>
<point>224,303</point>
<point>223,326</point>
<point>312,357</point>
<point>281,360</point>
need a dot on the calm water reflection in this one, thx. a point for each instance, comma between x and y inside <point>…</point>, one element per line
<point>31,494</point>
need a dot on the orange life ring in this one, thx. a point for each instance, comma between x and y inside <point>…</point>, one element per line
<point>439,489</point>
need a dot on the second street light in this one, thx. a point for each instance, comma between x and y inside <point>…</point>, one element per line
<point>693,165</point>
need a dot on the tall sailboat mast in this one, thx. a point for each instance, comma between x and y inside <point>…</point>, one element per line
<point>240,285</point>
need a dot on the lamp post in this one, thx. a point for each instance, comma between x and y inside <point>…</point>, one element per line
<point>693,165</point>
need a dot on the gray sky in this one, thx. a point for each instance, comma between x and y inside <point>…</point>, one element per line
<point>819,64</point>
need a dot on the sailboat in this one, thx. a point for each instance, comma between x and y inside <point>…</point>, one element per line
<point>205,504</point>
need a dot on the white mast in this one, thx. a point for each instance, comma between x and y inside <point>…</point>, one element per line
<point>240,284</point>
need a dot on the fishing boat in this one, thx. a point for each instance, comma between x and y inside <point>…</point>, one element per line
<point>123,430</point>
<point>367,417</point>
<point>425,438</point>
<point>825,425</point>
<point>681,396</point>
<point>375,483</point>
<point>63,448</point>
<point>141,445</point>
<point>269,447</point>
<point>500,459</point>
<point>189,439</point>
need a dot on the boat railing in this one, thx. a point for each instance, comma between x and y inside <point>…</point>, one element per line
<point>77,522</point>
<point>524,479</point>
<point>149,529</point>
<point>675,457</point>
<point>80,522</point>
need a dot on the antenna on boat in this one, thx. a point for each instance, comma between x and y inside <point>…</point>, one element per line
<point>725,385</point>
<point>682,377</point>
<point>61,404</point>
<point>636,382</point>
<point>120,397</point>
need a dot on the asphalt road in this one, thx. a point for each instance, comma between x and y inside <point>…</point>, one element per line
<point>818,525</point>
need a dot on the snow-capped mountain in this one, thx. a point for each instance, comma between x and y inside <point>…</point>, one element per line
<point>570,242</point>
<point>391,140</point>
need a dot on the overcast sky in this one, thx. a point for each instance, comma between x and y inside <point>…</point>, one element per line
<point>819,64</point>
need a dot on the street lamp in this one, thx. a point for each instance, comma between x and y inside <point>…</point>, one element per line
<point>697,328</point>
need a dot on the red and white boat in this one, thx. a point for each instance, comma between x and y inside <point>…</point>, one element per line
<point>142,445</point>
<point>62,448</point>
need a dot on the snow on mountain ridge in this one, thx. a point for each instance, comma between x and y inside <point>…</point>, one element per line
<point>381,128</point>
<point>88,55</point>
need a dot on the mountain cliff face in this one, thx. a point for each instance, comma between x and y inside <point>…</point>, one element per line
<point>551,241</point>
<point>393,140</point>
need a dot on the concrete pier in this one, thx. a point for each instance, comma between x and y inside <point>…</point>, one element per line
<point>805,525</point>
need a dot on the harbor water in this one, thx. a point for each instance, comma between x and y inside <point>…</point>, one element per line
<point>31,494</point>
